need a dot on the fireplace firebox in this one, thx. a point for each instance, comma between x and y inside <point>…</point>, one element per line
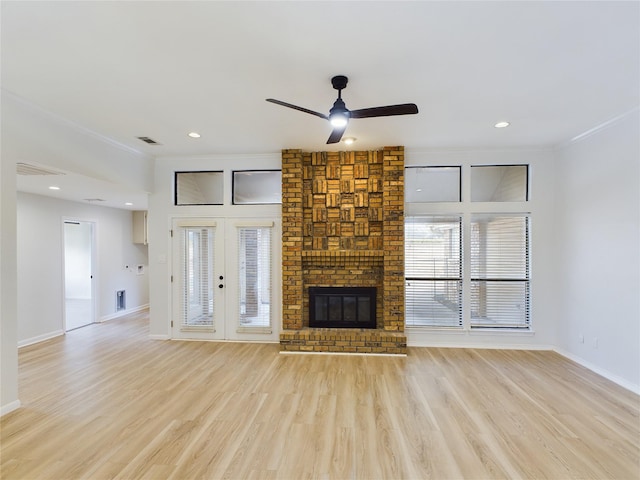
<point>342,307</point>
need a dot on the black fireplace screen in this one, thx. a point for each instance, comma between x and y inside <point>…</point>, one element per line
<point>342,307</point>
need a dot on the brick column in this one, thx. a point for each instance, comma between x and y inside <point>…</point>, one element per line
<point>292,225</point>
<point>393,215</point>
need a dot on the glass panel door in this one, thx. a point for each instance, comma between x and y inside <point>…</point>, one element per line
<point>198,270</point>
<point>223,273</point>
<point>198,264</point>
<point>254,276</point>
<point>252,307</point>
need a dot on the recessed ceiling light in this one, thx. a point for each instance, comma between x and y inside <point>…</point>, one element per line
<point>128,204</point>
<point>349,140</point>
<point>194,135</point>
<point>501,124</point>
<point>53,187</point>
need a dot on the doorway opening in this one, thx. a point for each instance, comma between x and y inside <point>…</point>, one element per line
<point>79,307</point>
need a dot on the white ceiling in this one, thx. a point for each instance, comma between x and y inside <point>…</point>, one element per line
<point>162,69</point>
<point>82,188</point>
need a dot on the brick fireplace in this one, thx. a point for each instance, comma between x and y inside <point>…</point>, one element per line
<point>343,226</point>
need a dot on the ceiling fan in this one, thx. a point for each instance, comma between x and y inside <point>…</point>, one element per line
<point>339,114</point>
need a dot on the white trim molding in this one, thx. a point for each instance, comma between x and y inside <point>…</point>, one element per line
<point>159,337</point>
<point>10,407</point>
<point>40,338</point>
<point>600,127</point>
<point>600,371</point>
<point>122,313</point>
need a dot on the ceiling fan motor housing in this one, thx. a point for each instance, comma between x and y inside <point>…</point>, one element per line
<point>339,114</point>
<point>339,82</point>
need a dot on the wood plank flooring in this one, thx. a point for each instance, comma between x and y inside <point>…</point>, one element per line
<point>105,401</point>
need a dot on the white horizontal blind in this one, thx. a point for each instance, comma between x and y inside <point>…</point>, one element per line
<point>254,276</point>
<point>197,261</point>
<point>433,271</point>
<point>500,271</point>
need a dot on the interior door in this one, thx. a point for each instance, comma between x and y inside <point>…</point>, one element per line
<point>197,279</point>
<point>78,274</point>
<point>252,266</point>
<point>222,280</point>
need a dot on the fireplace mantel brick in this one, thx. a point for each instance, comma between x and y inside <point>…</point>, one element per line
<point>343,225</point>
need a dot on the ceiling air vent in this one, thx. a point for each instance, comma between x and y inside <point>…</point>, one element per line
<point>148,140</point>
<point>90,200</point>
<point>26,169</point>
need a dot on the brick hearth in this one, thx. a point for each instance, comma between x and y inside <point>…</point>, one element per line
<point>343,225</point>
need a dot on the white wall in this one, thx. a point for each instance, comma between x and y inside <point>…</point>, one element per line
<point>597,230</point>
<point>41,263</point>
<point>8,293</point>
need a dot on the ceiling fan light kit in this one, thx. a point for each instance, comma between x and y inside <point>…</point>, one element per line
<point>339,114</point>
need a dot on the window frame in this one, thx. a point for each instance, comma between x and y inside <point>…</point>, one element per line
<point>527,181</point>
<point>233,185</point>
<point>176,193</point>
<point>466,208</point>
<point>457,167</point>
<point>502,278</point>
<point>439,278</point>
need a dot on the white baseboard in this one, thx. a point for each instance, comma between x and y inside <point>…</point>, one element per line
<point>600,371</point>
<point>122,313</point>
<point>159,337</point>
<point>9,407</point>
<point>40,338</point>
<point>486,346</point>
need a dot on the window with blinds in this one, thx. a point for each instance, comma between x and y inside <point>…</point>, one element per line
<point>254,274</point>
<point>433,271</point>
<point>499,271</point>
<point>197,277</point>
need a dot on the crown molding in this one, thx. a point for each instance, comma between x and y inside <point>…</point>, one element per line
<point>55,118</point>
<point>599,128</point>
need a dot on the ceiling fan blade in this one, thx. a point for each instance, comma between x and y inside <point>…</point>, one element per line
<point>336,135</point>
<point>389,110</point>
<point>295,107</point>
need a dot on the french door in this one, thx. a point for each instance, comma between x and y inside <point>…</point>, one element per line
<point>223,273</point>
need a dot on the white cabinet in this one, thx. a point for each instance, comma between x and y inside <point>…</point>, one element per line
<point>140,227</point>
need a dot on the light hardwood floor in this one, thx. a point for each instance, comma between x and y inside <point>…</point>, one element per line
<point>105,401</point>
